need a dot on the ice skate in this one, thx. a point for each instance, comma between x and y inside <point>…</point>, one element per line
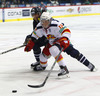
<point>64,72</point>
<point>39,68</point>
<point>35,64</point>
<point>93,69</point>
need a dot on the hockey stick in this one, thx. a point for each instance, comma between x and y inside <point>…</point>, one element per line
<point>41,85</point>
<point>12,49</point>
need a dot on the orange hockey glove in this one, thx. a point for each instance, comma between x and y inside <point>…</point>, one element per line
<point>29,46</point>
<point>64,42</point>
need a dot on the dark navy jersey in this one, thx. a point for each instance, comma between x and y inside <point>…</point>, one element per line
<point>35,22</point>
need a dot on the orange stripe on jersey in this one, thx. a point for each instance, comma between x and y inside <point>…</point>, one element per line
<point>59,59</point>
<point>66,30</point>
<point>43,62</point>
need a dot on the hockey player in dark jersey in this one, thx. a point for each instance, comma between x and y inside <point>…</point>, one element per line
<point>36,13</point>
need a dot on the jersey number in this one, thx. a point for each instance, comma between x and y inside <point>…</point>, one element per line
<point>60,26</point>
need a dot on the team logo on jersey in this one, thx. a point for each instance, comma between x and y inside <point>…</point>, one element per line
<point>49,36</point>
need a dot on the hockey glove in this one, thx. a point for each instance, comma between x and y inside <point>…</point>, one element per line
<point>29,46</point>
<point>28,37</point>
<point>64,42</point>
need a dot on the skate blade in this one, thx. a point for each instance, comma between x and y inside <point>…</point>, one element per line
<point>64,76</point>
<point>95,69</point>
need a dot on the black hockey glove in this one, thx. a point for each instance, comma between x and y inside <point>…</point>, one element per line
<point>42,41</point>
<point>28,37</point>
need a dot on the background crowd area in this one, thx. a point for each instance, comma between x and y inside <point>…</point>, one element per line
<point>35,3</point>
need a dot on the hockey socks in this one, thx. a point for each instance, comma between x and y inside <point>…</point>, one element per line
<point>84,61</point>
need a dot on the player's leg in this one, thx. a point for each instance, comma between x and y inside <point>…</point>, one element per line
<point>80,57</point>
<point>43,63</point>
<point>54,51</point>
<point>36,52</point>
<point>43,59</point>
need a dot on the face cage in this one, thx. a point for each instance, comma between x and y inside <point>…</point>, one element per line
<point>32,14</point>
<point>35,14</point>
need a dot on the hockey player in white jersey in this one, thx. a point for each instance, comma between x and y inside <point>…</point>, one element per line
<point>51,30</point>
<point>58,36</point>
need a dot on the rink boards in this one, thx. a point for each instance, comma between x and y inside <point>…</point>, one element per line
<point>19,14</point>
<point>0,15</point>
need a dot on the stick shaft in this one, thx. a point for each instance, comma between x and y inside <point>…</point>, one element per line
<point>41,85</point>
<point>53,66</point>
<point>12,49</point>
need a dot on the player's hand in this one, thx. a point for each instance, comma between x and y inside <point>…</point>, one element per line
<point>28,37</point>
<point>29,46</point>
<point>64,42</point>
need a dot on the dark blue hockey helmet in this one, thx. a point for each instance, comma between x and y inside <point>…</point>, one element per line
<point>35,10</point>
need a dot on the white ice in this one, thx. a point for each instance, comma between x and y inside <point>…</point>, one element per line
<point>15,72</point>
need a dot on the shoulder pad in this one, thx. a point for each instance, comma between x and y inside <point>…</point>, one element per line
<point>53,25</point>
<point>39,27</point>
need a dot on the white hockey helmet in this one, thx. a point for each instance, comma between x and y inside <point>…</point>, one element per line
<point>45,19</point>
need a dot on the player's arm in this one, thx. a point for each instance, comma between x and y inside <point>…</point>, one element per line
<point>31,42</point>
<point>28,37</point>
<point>65,35</point>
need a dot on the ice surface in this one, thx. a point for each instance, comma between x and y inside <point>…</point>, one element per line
<point>15,72</point>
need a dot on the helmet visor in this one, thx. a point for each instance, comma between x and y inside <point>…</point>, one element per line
<point>33,13</point>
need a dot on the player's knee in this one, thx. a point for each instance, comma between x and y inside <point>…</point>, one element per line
<point>54,51</point>
<point>72,52</point>
<point>43,58</point>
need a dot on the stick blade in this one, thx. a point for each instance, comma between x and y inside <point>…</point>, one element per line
<point>36,86</point>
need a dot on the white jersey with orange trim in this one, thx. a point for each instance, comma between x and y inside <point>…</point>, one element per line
<point>55,31</point>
